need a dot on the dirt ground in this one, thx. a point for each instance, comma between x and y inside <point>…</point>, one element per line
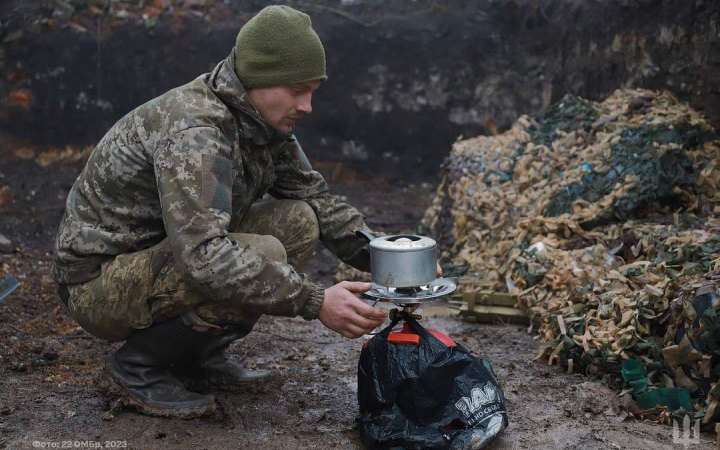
<point>49,367</point>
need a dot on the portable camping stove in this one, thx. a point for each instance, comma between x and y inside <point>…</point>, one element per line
<point>408,300</point>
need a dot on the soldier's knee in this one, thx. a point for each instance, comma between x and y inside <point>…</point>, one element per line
<point>273,249</point>
<point>265,244</point>
<point>307,221</point>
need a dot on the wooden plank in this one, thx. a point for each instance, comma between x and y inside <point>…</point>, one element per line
<point>496,298</point>
<point>470,298</point>
<point>499,310</point>
<point>485,313</point>
<point>488,298</point>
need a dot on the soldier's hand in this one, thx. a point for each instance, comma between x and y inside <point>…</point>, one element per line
<point>342,311</point>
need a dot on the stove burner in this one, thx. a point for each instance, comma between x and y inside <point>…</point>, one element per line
<point>408,291</point>
<point>412,295</point>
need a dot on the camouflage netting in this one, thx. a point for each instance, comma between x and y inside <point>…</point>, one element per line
<point>604,219</point>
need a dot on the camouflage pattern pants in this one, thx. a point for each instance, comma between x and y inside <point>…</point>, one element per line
<point>137,289</point>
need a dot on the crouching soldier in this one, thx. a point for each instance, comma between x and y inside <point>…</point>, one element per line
<point>169,241</point>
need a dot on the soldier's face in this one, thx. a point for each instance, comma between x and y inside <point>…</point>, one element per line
<point>283,106</point>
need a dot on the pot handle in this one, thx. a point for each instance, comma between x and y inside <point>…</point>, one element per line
<point>365,234</point>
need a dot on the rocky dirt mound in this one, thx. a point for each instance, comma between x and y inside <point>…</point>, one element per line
<point>400,86</point>
<point>603,219</point>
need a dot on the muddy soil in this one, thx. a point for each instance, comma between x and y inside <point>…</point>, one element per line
<point>49,367</point>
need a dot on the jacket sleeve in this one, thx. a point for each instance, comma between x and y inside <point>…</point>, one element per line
<point>194,174</point>
<point>338,220</point>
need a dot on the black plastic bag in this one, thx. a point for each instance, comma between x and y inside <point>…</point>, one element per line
<point>426,396</point>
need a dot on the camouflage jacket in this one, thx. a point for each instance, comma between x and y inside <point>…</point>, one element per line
<point>183,166</point>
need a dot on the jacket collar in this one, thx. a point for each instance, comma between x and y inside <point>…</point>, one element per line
<point>224,82</point>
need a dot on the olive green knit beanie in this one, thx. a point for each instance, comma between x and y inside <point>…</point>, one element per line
<point>278,47</point>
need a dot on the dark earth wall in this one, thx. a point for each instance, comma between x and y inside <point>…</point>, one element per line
<point>406,77</point>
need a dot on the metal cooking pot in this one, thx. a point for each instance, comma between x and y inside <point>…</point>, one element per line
<point>402,260</point>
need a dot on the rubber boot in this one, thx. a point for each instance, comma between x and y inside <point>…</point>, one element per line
<point>218,370</point>
<point>142,370</point>
<point>223,372</point>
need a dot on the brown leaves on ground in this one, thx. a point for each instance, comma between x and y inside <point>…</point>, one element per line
<point>6,196</point>
<point>21,98</point>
